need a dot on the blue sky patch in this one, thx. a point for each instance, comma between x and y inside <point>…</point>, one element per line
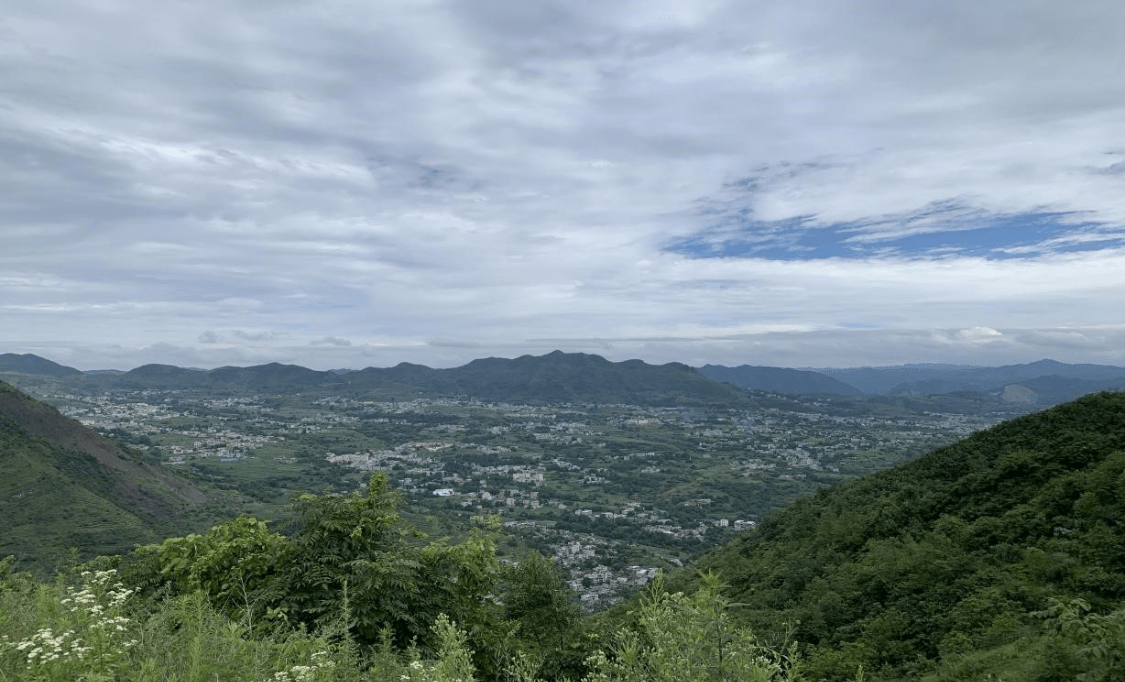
<point>942,231</point>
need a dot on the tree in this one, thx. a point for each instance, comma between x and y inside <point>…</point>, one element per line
<point>353,544</point>
<point>537,597</point>
<point>236,564</point>
<point>680,638</point>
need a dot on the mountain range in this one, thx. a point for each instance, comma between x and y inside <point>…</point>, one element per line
<point>579,377</point>
<point>779,380</point>
<point>1061,378</point>
<point>552,378</point>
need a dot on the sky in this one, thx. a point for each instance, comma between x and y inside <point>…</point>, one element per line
<point>339,183</point>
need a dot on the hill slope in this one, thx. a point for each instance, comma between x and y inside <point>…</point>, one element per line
<point>552,378</point>
<point>556,377</point>
<point>945,559</point>
<point>65,485</point>
<point>930,379</point>
<point>778,380</point>
<point>33,364</point>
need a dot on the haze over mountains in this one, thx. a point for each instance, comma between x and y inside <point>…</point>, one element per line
<point>779,380</point>
<point>581,377</point>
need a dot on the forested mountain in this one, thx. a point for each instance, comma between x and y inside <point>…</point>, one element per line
<point>929,379</point>
<point>1052,390</point>
<point>779,380</point>
<point>558,377</point>
<point>552,378</point>
<point>583,378</point>
<point>65,485</point>
<point>33,364</point>
<point>958,564</point>
<point>269,377</point>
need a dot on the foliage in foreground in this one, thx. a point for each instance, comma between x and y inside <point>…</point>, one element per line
<point>370,598</point>
<point>999,558</point>
<point>87,625</point>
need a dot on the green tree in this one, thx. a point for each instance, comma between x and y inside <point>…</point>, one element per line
<point>1096,641</point>
<point>550,633</point>
<point>681,638</point>
<point>352,545</point>
<point>236,564</point>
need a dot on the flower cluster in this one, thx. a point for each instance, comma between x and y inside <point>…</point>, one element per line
<point>45,647</point>
<point>415,667</point>
<point>304,673</point>
<point>87,600</point>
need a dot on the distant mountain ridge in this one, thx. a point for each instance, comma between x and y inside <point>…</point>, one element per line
<point>1052,381</point>
<point>557,377</point>
<point>890,379</point>
<point>552,378</point>
<point>586,378</point>
<point>779,380</point>
<point>33,364</point>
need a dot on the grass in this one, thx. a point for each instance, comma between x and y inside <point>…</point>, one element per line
<point>86,626</point>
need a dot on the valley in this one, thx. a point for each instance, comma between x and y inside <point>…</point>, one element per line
<point>613,492</point>
<point>909,536</point>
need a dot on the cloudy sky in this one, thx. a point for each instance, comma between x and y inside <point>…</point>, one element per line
<point>348,183</point>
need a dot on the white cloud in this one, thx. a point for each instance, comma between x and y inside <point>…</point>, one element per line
<point>434,181</point>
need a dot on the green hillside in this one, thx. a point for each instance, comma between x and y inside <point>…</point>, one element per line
<point>580,377</point>
<point>33,364</point>
<point>65,486</point>
<point>779,380</point>
<point>554,378</point>
<point>947,566</point>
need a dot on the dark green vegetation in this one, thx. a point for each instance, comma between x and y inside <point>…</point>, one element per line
<point>352,553</point>
<point>979,558</point>
<point>348,597</point>
<point>64,486</point>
